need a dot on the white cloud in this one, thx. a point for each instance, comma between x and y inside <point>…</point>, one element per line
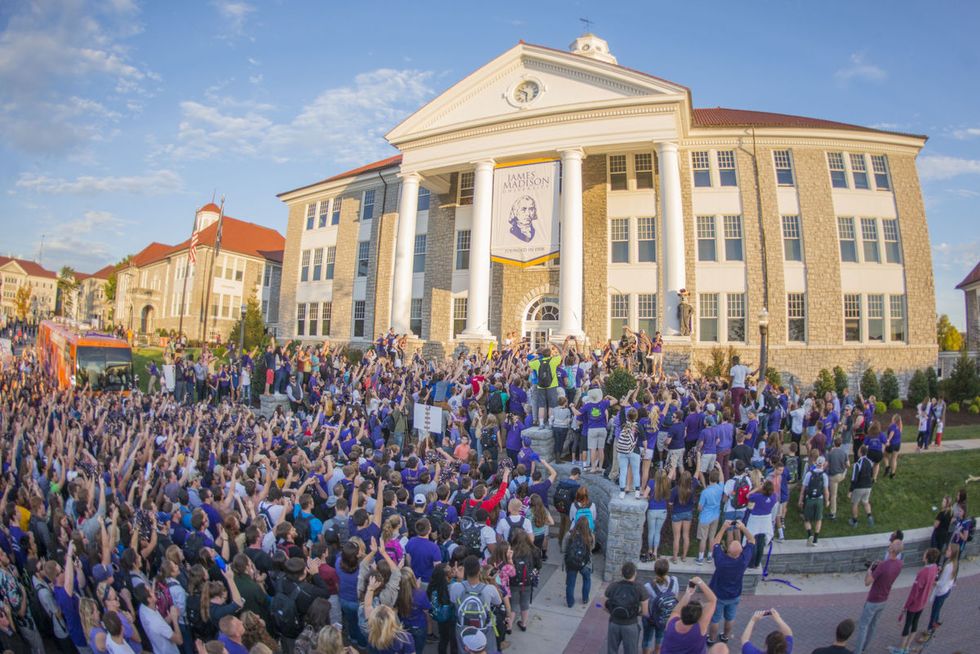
<point>860,69</point>
<point>938,166</point>
<point>86,242</point>
<point>52,56</point>
<point>954,256</point>
<point>152,183</point>
<point>964,192</point>
<point>234,16</point>
<point>967,133</point>
<point>346,124</point>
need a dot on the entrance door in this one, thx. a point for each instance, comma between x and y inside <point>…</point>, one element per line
<point>540,320</point>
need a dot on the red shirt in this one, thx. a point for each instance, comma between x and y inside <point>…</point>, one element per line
<point>921,588</point>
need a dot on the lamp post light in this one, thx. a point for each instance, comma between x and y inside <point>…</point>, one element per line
<point>763,344</point>
<point>241,332</point>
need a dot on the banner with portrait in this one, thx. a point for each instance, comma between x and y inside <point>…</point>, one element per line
<point>524,230</point>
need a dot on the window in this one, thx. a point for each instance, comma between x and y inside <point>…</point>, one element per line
<point>848,244</point>
<point>893,253</point>
<point>619,314</point>
<point>324,211</point>
<point>310,215</point>
<point>700,162</point>
<point>726,168</point>
<point>706,239</point>
<point>466,182</point>
<point>617,172</point>
<point>869,238</point>
<point>838,175</point>
<point>459,315</point>
<point>325,318</point>
<point>879,164</point>
<point>415,316</point>
<point>859,171</point>
<point>424,198</point>
<point>304,266</point>
<point>265,310</point>
<point>646,239</point>
<point>301,320</point>
<point>876,318</point>
<point>359,308</point>
<point>796,313</point>
<point>363,257</point>
<point>367,205</point>
<point>643,166</point>
<point>335,214</point>
<point>708,327</point>
<point>331,260</point>
<point>317,263</point>
<point>736,316</point>
<point>313,317</point>
<point>463,249</point>
<point>646,312</point>
<point>619,234</point>
<point>784,167</point>
<point>418,263</point>
<point>852,317</point>
<point>733,238</point>
<point>266,276</point>
<point>896,315</point>
<point>792,244</point>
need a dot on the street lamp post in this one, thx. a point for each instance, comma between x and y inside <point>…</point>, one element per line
<point>763,345</point>
<point>241,333</point>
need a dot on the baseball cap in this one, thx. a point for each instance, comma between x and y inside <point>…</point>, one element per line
<point>474,640</point>
<point>710,407</point>
<point>419,499</point>
<point>821,460</point>
<point>101,572</point>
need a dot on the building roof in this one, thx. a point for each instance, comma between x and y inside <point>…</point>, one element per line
<point>381,164</point>
<point>152,252</point>
<point>32,268</point>
<point>210,206</point>
<point>101,273</point>
<point>725,117</point>
<point>972,278</point>
<point>237,236</point>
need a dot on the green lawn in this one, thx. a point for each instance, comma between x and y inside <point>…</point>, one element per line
<point>911,432</point>
<point>142,356</point>
<point>904,502</point>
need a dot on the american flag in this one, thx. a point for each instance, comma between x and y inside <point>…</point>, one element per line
<point>192,251</point>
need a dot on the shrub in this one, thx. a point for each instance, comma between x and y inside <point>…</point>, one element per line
<point>888,384</point>
<point>354,355</point>
<point>964,382</point>
<point>869,383</point>
<point>896,405</point>
<point>953,407</point>
<point>824,383</point>
<point>918,388</point>
<point>933,381</point>
<point>839,381</point>
<point>773,376</point>
<point>620,382</point>
<point>721,362</point>
<point>974,409</point>
<point>880,408</point>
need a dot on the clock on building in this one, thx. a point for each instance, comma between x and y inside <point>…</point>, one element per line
<point>526,91</point>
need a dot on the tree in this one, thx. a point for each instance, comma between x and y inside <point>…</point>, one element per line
<point>918,387</point>
<point>619,382</point>
<point>889,386</point>
<point>824,383</point>
<point>67,285</point>
<point>22,301</point>
<point>869,383</point>
<point>964,384</point>
<point>933,381</point>
<point>949,337</point>
<point>839,381</point>
<point>254,326</point>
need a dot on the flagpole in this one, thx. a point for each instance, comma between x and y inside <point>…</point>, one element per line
<point>209,279</point>
<point>183,294</point>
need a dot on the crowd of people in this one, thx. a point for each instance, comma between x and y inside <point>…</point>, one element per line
<point>180,520</point>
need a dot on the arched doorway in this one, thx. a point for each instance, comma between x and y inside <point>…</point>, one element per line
<point>540,320</point>
<point>146,319</point>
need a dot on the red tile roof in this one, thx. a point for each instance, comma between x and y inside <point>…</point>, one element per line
<point>210,206</point>
<point>101,273</point>
<point>724,117</point>
<point>389,162</point>
<point>237,236</point>
<point>972,278</point>
<point>30,267</point>
<point>152,252</point>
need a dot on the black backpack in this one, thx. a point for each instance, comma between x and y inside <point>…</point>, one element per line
<point>545,373</point>
<point>514,526</point>
<point>564,496</point>
<point>526,575</point>
<point>622,602</point>
<point>437,516</point>
<point>192,547</point>
<point>411,520</point>
<point>495,404</point>
<point>814,488</point>
<point>283,612</point>
<point>661,603</point>
<point>469,536</point>
<point>42,619</point>
<point>576,554</point>
<point>303,528</point>
<point>200,628</point>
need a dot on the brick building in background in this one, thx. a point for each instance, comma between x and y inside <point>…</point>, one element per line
<point>43,283</point>
<point>822,223</point>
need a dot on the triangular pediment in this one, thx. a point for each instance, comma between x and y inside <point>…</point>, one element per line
<point>530,80</point>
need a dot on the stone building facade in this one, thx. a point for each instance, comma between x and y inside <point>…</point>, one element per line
<point>90,296</point>
<point>814,227</point>
<point>43,284</point>
<point>160,288</point>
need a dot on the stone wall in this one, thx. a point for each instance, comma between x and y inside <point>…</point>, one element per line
<point>846,554</point>
<point>381,266</point>
<point>595,249</point>
<point>290,268</point>
<point>437,303</point>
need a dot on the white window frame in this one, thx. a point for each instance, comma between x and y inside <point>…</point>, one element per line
<point>323,218</point>
<point>646,230</point>
<point>796,311</point>
<point>736,310</point>
<point>368,198</point>
<point>846,232</point>
<point>326,316</point>
<point>701,163</point>
<point>792,231</point>
<point>881,170</point>
<point>467,188</point>
<point>709,309</point>
<point>317,268</point>
<point>363,254</point>
<point>415,314</point>
<point>870,240</point>
<point>646,313</point>
<point>424,200</point>
<point>459,315</point>
<point>463,237</point>
<point>310,216</point>
<point>330,262</point>
<point>359,313</point>
<point>313,318</point>
<point>642,170</point>
<point>893,240</point>
<point>335,206</point>
<point>719,155</point>
<point>301,319</point>
<point>419,253</point>
<point>853,302</point>
<point>782,161</point>
<point>619,303</point>
<point>897,313</point>
<point>304,266</point>
<point>618,168</point>
<point>619,235</point>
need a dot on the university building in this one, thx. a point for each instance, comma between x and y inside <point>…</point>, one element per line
<point>90,298</point>
<point>43,284</point>
<point>161,288</point>
<point>821,224</point>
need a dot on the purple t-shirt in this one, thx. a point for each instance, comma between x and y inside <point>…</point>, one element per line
<point>594,414</point>
<point>709,440</point>
<point>693,423</point>
<point>541,490</point>
<point>763,504</point>
<point>690,642</point>
<point>424,555</point>
<point>749,648</point>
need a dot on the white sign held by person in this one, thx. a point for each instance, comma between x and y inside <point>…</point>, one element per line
<point>524,228</point>
<point>427,419</point>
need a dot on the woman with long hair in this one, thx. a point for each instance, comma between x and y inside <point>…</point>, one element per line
<point>682,513</point>
<point>763,502</point>
<point>657,493</point>
<point>541,523</point>
<point>385,632</point>
<point>578,541</point>
<point>412,605</point>
<point>95,633</point>
<point>257,633</point>
<point>893,444</point>
<point>442,609</point>
<point>527,563</point>
<point>944,585</point>
<point>347,566</point>
<point>112,605</point>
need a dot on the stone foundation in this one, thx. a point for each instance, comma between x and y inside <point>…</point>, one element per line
<point>542,442</point>
<point>268,404</point>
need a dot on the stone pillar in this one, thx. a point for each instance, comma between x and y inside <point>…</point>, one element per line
<point>673,235</point>
<point>570,285</point>
<point>401,292</point>
<point>478,303</point>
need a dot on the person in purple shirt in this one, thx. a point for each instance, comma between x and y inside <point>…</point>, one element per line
<point>688,622</point>
<point>541,485</point>
<point>527,456</point>
<point>726,438</point>
<point>708,443</point>
<point>726,581</point>
<point>752,430</point>
<point>676,435</point>
<point>423,553</point>
<point>780,640</point>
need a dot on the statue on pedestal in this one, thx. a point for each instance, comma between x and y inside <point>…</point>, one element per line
<point>685,313</point>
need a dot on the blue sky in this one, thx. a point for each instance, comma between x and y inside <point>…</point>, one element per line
<point>119,118</point>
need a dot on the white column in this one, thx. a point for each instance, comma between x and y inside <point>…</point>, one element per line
<point>401,287</point>
<point>570,273</point>
<point>673,267</point>
<point>478,304</point>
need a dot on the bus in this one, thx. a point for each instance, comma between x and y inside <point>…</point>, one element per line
<point>77,359</point>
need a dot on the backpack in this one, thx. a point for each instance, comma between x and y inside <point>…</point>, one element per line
<point>576,554</point>
<point>303,527</point>
<point>469,536</point>
<point>814,488</point>
<point>192,547</point>
<point>470,609</point>
<point>622,603</point>
<point>526,574</point>
<point>545,373</point>
<point>200,628</point>
<point>283,612</point>
<point>488,439</point>
<point>740,494</point>
<point>585,511</point>
<point>410,521</point>
<point>437,516</point>
<point>266,517</point>
<point>164,599</point>
<point>42,619</point>
<point>662,603</point>
<point>339,526</point>
<point>564,496</point>
<point>495,404</point>
<point>440,612</point>
<point>512,532</point>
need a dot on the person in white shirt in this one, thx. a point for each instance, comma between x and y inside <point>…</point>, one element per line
<point>738,375</point>
<point>514,520</point>
<point>164,633</point>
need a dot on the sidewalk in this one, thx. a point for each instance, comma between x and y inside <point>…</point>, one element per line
<point>948,446</point>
